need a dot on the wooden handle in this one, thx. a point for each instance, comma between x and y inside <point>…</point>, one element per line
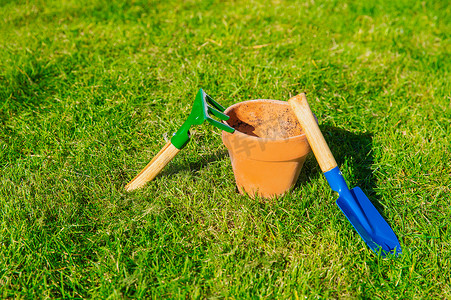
<point>302,110</point>
<point>152,169</point>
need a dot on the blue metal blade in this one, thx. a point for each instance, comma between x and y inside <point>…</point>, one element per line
<point>362,214</point>
<point>381,235</point>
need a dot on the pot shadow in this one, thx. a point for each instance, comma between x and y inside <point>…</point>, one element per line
<point>175,166</point>
<point>194,165</point>
<point>353,153</point>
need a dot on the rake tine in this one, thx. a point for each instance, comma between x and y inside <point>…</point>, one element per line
<point>214,103</point>
<point>217,113</point>
<point>220,125</point>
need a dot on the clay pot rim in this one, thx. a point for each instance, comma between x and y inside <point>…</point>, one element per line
<point>256,138</point>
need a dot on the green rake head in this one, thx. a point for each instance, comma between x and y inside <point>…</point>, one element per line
<point>202,107</point>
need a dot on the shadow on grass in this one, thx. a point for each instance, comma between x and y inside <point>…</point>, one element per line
<point>196,164</point>
<point>30,83</point>
<point>353,153</point>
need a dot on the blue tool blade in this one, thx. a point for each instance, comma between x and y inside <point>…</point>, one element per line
<point>378,235</point>
<point>362,214</point>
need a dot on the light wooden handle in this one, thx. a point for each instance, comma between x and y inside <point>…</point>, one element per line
<point>152,169</point>
<point>302,110</point>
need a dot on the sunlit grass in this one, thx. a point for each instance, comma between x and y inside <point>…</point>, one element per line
<point>89,91</point>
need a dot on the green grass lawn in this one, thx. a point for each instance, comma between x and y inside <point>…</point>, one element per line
<point>89,90</point>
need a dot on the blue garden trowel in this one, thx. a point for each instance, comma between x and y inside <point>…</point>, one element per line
<point>356,206</point>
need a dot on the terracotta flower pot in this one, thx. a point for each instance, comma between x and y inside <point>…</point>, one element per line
<point>268,147</point>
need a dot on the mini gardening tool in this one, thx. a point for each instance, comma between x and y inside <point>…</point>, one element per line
<point>362,214</point>
<point>202,107</point>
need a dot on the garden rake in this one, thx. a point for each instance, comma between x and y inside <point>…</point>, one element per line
<point>203,106</point>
